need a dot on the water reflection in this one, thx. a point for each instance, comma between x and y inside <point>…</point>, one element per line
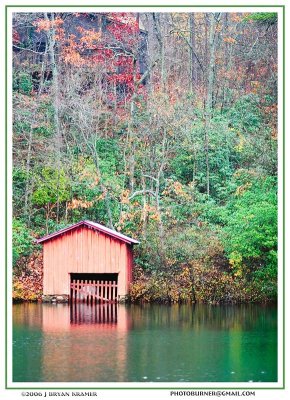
<point>83,313</point>
<point>118,343</point>
<point>205,343</point>
<point>84,342</point>
<point>199,316</point>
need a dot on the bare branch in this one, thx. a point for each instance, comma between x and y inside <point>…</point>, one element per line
<point>26,49</point>
<point>149,176</point>
<point>138,192</point>
<point>189,44</point>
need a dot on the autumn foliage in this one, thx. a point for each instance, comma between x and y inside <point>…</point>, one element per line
<point>27,282</point>
<point>162,126</point>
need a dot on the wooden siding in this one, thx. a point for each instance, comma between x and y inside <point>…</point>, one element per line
<point>84,250</point>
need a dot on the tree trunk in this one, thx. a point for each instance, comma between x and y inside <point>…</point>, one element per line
<point>144,215</point>
<point>209,96</point>
<point>55,95</point>
<point>28,181</point>
<point>193,69</point>
<point>160,39</point>
<point>103,188</point>
<point>157,190</point>
<point>55,83</point>
<point>26,210</point>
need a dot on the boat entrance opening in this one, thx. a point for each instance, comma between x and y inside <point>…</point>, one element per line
<point>94,288</point>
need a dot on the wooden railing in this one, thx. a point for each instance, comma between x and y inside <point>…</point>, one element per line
<point>94,291</point>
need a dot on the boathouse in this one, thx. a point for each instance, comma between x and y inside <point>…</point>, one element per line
<point>87,261</point>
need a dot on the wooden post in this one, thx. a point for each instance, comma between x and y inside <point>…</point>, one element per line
<point>78,291</point>
<point>110,291</point>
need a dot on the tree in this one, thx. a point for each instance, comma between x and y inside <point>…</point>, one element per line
<point>251,228</point>
<point>160,125</point>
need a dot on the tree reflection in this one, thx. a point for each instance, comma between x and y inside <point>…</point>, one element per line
<point>129,343</point>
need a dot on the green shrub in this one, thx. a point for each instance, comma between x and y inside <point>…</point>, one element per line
<point>22,240</point>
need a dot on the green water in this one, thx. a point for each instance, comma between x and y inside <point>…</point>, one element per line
<point>151,343</point>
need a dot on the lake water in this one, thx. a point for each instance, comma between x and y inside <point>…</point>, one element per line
<point>149,343</point>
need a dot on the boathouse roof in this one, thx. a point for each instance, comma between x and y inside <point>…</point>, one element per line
<point>91,225</point>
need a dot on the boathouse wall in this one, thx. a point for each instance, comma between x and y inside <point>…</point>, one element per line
<point>84,250</point>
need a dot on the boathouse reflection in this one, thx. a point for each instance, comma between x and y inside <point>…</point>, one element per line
<point>83,313</point>
<point>83,341</point>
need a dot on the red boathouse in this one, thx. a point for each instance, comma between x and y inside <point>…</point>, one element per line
<point>87,261</point>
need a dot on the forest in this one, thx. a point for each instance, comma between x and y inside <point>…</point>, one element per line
<point>162,126</point>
